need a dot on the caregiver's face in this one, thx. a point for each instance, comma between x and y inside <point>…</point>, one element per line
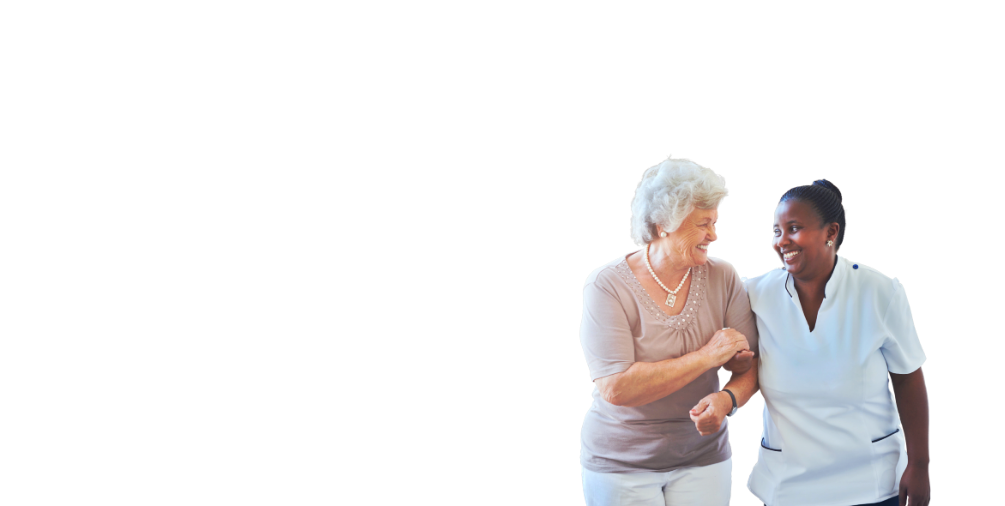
<point>801,239</point>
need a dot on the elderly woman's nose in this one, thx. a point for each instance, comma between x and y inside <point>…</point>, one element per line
<point>711,233</point>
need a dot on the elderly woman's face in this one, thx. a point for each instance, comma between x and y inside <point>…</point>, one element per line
<point>689,243</point>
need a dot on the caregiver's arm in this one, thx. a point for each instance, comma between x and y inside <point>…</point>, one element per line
<point>912,402</point>
<point>645,382</point>
<point>739,363</point>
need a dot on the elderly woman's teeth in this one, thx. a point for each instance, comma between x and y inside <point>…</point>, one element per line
<point>703,247</point>
<point>791,254</point>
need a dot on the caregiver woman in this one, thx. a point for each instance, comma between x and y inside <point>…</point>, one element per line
<point>832,333</point>
<point>654,333</point>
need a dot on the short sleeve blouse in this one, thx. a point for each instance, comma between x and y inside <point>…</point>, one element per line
<point>622,325</point>
<point>831,430</point>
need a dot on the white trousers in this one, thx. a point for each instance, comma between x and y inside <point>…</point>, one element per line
<point>689,486</point>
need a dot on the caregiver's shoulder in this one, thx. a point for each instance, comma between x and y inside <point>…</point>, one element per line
<point>760,282</point>
<point>871,279</point>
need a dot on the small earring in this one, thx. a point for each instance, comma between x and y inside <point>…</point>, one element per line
<point>663,234</point>
<point>830,243</point>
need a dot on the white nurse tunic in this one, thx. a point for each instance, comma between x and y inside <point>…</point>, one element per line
<point>831,430</point>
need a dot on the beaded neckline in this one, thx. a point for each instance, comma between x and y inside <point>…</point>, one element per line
<point>695,296</point>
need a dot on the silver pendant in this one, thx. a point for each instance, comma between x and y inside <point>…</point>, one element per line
<point>671,298</point>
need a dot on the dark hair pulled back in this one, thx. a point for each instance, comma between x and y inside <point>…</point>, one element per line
<point>826,201</point>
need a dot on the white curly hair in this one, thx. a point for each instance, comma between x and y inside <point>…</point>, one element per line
<point>669,192</point>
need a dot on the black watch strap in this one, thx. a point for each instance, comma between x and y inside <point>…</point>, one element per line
<point>731,396</point>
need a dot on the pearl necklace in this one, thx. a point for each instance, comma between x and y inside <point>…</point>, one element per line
<point>671,294</point>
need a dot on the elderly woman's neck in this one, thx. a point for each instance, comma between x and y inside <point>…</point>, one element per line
<point>667,261</point>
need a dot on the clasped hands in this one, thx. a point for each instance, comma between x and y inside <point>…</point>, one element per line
<point>729,349</point>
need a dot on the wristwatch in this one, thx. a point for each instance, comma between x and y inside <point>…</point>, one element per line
<point>733,397</point>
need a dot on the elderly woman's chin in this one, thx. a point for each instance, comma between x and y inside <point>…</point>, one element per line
<point>699,256</point>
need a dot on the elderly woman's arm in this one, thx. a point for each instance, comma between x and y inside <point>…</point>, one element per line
<point>645,382</point>
<point>708,414</point>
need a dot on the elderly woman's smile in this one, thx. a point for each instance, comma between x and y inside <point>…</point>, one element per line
<point>688,245</point>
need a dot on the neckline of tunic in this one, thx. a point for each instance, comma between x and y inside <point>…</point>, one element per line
<point>830,289</point>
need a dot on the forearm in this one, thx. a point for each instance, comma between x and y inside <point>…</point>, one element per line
<point>645,382</point>
<point>912,402</point>
<point>743,385</point>
<point>739,363</point>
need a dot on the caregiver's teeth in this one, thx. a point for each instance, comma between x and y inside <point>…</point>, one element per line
<point>791,254</point>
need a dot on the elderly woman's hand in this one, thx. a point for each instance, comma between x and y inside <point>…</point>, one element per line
<point>724,345</point>
<point>708,414</point>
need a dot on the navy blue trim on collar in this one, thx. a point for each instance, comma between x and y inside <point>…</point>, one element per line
<point>790,293</point>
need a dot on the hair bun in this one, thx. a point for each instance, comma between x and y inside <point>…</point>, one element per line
<point>829,185</point>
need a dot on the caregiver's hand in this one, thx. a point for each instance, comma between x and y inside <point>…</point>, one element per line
<point>740,363</point>
<point>914,487</point>
<point>723,346</point>
<point>708,414</point>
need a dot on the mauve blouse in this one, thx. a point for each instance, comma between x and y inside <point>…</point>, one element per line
<point>622,325</point>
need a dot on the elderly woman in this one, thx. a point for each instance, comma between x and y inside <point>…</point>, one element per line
<point>657,325</point>
<point>834,335</point>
